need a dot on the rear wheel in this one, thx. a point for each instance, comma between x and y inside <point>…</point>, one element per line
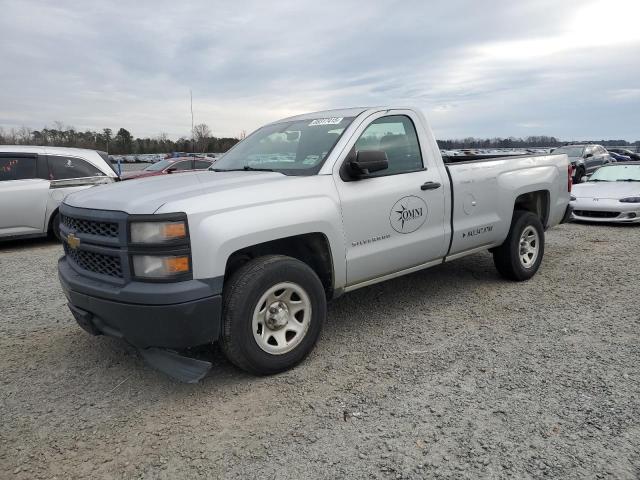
<point>274,309</point>
<point>55,226</point>
<point>520,256</point>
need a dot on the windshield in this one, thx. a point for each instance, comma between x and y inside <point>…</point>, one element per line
<point>616,173</point>
<point>570,151</point>
<point>293,148</point>
<point>161,165</point>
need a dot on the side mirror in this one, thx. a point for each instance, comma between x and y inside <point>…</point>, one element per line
<point>171,169</point>
<point>588,155</point>
<point>367,162</point>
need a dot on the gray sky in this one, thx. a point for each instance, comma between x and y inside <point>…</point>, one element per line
<point>477,68</point>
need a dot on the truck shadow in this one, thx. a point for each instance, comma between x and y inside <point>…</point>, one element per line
<point>25,243</point>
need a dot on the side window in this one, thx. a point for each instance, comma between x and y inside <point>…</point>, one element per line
<point>202,164</point>
<point>17,167</point>
<point>396,136</point>
<point>178,166</point>
<point>62,168</point>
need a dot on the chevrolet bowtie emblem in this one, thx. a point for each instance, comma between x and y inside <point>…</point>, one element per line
<point>73,241</point>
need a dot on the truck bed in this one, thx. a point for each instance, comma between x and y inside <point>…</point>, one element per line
<point>484,191</point>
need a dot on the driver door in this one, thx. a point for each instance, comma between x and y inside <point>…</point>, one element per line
<point>394,218</point>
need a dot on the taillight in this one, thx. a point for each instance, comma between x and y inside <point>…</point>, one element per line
<point>570,171</point>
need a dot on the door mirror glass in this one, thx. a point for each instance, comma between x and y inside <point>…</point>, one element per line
<point>367,162</point>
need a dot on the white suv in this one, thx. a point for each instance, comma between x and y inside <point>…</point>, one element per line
<point>34,180</point>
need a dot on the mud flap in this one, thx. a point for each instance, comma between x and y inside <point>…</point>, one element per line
<point>179,367</point>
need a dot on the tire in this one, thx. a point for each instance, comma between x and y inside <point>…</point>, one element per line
<point>510,261</point>
<point>55,227</point>
<point>273,341</point>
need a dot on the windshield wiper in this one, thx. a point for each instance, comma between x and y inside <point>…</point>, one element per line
<point>597,180</point>
<point>246,168</point>
<point>627,180</point>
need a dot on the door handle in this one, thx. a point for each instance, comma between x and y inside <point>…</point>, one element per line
<point>430,186</point>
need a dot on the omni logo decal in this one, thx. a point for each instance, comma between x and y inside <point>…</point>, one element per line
<point>408,214</point>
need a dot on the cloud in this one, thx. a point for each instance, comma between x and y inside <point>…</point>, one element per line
<point>476,68</point>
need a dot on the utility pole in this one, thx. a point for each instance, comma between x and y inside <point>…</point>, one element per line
<point>192,139</point>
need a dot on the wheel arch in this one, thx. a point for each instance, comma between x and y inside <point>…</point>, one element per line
<point>536,202</point>
<point>313,249</point>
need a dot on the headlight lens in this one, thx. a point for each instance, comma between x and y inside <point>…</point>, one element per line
<point>156,266</point>
<point>157,232</point>
<point>630,200</point>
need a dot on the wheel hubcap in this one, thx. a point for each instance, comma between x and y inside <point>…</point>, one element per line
<point>281,318</point>
<point>529,247</point>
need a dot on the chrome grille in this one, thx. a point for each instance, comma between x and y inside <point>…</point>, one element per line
<point>91,227</point>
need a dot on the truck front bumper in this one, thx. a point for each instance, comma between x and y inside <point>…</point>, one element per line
<point>166,315</point>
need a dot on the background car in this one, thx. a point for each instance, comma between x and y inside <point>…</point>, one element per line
<point>34,180</point>
<point>624,151</point>
<point>170,165</point>
<point>585,158</point>
<point>618,157</point>
<point>612,194</point>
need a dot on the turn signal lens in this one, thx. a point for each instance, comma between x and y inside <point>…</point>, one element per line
<point>174,265</point>
<point>174,230</point>
<point>157,266</point>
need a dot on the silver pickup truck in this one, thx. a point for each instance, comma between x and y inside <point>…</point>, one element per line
<point>301,211</point>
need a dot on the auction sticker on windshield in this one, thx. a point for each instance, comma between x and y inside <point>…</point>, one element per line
<point>326,121</point>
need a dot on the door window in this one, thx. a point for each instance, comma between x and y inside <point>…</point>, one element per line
<point>396,136</point>
<point>202,164</point>
<point>17,168</point>
<point>63,168</point>
<point>178,166</point>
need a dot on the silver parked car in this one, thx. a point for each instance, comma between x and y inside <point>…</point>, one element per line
<point>612,194</point>
<point>34,180</point>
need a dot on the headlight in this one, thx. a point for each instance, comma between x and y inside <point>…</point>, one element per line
<point>156,266</point>
<point>157,232</point>
<point>572,198</point>
<point>630,200</point>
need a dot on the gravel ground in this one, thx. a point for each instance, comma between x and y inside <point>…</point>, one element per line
<point>449,372</point>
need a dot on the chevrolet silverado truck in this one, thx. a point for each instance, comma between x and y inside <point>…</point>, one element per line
<point>303,210</point>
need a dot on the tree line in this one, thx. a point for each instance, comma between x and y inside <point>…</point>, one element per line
<point>120,142</point>
<point>512,142</point>
<point>123,142</point>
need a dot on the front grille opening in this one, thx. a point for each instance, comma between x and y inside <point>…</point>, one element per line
<point>595,214</point>
<point>91,227</point>
<point>96,262</point>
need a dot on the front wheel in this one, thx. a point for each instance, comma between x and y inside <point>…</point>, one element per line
<point>520,256</point>
<point>274,309</point>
